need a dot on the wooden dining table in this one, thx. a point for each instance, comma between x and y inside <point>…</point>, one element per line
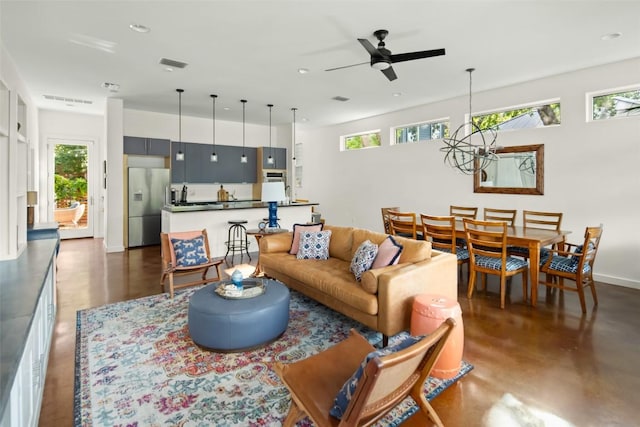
<point>532,238</point>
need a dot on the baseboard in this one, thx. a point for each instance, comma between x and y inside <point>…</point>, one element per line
<point>618,281</point>
<point>110,249</point>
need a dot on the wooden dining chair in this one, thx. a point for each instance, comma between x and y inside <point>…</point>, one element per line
<point>186,253</point>
<point>386,379</point>
<point>538,219</point>
<point>403,224</point>
<point>385,218</point>
<point>441,232</point>
<point>506,215</point>
<point>487,244</point>
<point>575,263</point>
<point>461,212</point>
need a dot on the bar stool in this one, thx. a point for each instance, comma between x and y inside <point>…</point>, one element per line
<point>237,240</point>
<point>265,223</point>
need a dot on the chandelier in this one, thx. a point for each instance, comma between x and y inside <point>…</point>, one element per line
<point>470,149</point>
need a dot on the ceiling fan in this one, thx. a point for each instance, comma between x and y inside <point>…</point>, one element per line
<point>381,57</point>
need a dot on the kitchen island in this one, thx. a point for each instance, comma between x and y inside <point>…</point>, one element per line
<point>215,217</point>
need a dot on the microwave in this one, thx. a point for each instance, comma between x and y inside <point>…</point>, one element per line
<point>274,176</point>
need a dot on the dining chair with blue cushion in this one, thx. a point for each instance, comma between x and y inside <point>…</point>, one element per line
<point>542,220</point>
<point>574,263</point>
<point>404,224</point>
<point>441,232</point>
<point>487,244</point>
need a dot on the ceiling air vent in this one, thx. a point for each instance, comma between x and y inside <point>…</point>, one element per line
<point>172,63</point>
<point>340,98</point>
<point>67,100</point>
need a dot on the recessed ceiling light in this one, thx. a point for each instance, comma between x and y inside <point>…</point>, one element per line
<point>226,108</point>
<point>168,69</point>
<point>139,28</point>
<point>303,70</point>
<point>611,36</point>
<point>112,87</point>
<point>397,94</point>
<point>304,119</point>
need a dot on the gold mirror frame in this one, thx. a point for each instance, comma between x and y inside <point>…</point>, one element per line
<point>538,149</point>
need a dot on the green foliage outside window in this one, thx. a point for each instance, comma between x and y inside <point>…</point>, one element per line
<point>549,115</point>
<point>356,142</point>
<point>616,104</point>
<point>70,179</point>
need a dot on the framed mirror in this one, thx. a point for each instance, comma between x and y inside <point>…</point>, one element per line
<point>518,170</point>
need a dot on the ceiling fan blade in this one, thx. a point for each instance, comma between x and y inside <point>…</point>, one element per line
<point>370,48</point>
<point>416,55</point>
<point>391,75</point>
<point>346,66</point>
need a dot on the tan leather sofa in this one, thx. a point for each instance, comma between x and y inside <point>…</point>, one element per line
<point>384,297</point>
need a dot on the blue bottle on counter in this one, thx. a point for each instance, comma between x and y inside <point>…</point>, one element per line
<point>236,278</point>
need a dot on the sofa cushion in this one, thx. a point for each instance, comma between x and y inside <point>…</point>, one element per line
<point>314,245</point>
<point>341,242</point>
<point>297,230</point>
<point>345,394</point>
<point>388,253</point>
<point>413,250</point>
<point>363,258</point>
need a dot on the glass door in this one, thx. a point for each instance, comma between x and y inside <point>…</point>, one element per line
<point>72,187</point>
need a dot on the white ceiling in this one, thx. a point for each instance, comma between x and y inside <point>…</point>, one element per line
<point>252,50</point>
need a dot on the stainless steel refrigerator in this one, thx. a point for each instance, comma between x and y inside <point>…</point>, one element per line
<point>146,198</point>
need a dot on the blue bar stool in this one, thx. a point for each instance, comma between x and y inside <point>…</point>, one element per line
<point>237,240</point>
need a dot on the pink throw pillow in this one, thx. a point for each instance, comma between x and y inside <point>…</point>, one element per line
<point>388,253</point>
<point>299,229</point>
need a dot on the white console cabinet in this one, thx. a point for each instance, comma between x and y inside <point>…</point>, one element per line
<point>21,408</point>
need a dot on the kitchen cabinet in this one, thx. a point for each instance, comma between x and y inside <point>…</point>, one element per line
<point>198,169</point>
<point>146,146</point>
<point>279,156</point>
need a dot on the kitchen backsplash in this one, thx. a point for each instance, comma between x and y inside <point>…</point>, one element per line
<point>209,192</point>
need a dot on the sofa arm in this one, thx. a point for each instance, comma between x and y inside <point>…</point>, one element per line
<point>397,289</point>
<point>280,242</point>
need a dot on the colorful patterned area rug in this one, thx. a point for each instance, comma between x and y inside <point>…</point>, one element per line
<point>137,366</point>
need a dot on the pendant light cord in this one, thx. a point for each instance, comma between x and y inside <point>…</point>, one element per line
<point>244,103</point>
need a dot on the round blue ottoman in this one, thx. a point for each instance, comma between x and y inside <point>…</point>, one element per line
<point>221,324</point>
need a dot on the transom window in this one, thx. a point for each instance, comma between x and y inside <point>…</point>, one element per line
<point>361,140</point>
<point>421,132</point>
<point>535,116</point>
<point>623,103</point>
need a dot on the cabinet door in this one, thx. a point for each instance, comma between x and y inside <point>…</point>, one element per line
<point>280,155</point>
<point>135,145</point>
<point>194,162</point>
<point>158,147</point>
<point>249,172</point>
<point>177,168</point>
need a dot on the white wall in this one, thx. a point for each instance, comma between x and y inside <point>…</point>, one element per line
<point>591,168</point>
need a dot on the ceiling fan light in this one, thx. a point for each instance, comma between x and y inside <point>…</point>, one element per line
<point>381,65</point>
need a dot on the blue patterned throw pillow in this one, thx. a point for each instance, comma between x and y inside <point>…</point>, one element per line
<point>363,258</point>
<point>314,245</point>
<point>189,252</point>
<point>346,392</point>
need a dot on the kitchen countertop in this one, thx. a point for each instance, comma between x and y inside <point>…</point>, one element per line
<point>232,204</point>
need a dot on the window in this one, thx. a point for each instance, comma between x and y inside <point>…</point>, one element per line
<point>617,104</point>
<point>361,140</point>
<point>535,116</point>
<point>421,132</point>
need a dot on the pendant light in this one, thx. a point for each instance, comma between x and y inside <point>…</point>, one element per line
<point>214,156</point>
<point>243,158</point>
<point>465,154</point>
<point>270,158</point>
<point>294,134</point>
<point>180,153</point>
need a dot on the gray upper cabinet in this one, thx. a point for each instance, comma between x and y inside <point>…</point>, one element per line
<point>146,146</point>
<point>279,156</point>
<point>196,167</point>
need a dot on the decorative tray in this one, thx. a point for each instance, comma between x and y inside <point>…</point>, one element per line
<point>251,288</point>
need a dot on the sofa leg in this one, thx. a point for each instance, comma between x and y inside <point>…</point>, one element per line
<point>385,340</point>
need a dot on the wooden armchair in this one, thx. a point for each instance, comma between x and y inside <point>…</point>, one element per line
<point>180,264</point>
<point>385,381</point>
<point>574,263</point>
